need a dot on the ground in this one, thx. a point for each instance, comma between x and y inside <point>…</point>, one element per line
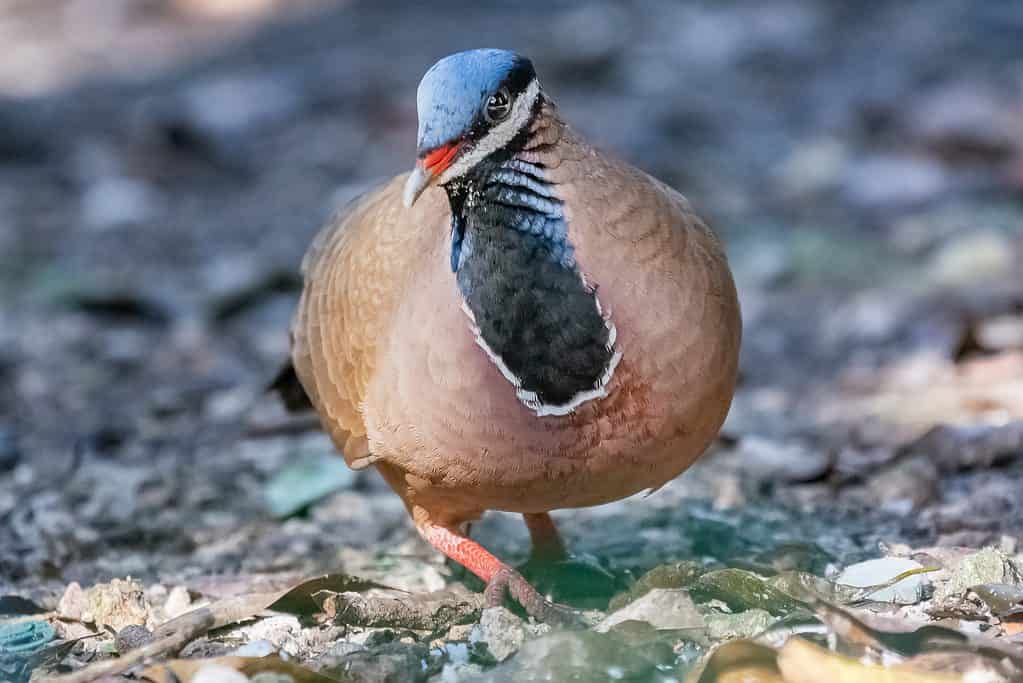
<point>163,166</point>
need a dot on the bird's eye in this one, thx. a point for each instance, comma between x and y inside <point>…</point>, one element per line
<point>498,106</point>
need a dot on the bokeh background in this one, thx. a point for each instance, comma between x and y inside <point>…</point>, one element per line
<point>165,163</point>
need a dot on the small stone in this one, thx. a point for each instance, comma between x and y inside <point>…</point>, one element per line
<point>255,648</point>
<point>178,602</point>
<point>999,333</point>
<point>116,202</point>
<point>388,663</point>
<point>665,609</point>
<point>748,624</point>
<point>217,673</point>
<point>908,591</point>
<point>459,632</point>
<point>117,604</point>
<point>280,632</point>
<point>343,648</point>
<point>72,603</point>
<point>131,637</point>
<point>977,255</point>
<point>589,656</point>
<point>986,566</point>
<point>813,166</point>
<point>501,630</point>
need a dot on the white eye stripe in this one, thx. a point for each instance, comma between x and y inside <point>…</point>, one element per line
<point>498,136</point>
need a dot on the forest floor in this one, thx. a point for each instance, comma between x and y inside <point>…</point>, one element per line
<point>162,171</point>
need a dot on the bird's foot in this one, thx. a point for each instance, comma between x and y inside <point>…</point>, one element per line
<point>501,579</point>
<point>507,581</point>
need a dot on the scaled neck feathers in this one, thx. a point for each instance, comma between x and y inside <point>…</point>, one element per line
<point>530,307</point>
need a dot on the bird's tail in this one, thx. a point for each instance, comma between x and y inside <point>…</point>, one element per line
<point>290,390</point>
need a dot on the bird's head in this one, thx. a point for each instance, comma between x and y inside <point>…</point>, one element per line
<point>471,104</point>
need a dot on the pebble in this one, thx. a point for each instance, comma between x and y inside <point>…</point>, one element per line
<point>131,637</point>
<point>663,608</point>
<point>255,648</point>
<point>116,202</point>
<point>908,591</point>
<point>501,630</point>
<point>178,602</point>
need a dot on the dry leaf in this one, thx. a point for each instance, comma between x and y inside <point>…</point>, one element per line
<point>800,661</point>
<point>738,661</point>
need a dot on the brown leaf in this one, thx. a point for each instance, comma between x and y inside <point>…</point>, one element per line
<point>800,661</point>
<point>300,599</point>
<point>737,661</point>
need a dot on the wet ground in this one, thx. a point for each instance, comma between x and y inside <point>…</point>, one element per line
<point>163,167</point>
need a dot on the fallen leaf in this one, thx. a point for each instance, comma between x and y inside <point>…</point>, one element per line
<point>800,661</point>
<point>738,661</point>
<point>886,570</point>
<point>742,590</point>
<point>1003,599</point>
<point>673,575</point>
<point>301,599</point>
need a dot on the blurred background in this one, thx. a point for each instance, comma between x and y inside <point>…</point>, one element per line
<point>165,163</point>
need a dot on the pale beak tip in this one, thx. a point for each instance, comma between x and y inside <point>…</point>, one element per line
<point>418,181</point>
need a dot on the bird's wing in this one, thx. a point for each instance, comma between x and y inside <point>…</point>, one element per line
<point>356,273</point>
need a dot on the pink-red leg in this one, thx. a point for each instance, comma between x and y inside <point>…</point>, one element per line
<point>499,577</point>
<point>547,543</point>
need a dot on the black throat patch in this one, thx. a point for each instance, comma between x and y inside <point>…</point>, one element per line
<point>516,270</point>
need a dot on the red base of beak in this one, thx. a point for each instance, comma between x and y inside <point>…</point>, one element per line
<point>437,161</point>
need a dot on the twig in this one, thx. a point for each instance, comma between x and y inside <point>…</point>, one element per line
<point>174,635</point>
<point>429,612</point>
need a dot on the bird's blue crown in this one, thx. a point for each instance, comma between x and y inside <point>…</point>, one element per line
<point>454,91</point>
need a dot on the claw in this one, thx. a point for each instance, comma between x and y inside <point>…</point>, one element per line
<point>508,581</point>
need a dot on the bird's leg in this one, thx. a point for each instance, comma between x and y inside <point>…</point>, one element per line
<point>547,543</point>
<point>499,577</point>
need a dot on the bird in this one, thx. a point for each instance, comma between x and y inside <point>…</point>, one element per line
<point>521,323</point>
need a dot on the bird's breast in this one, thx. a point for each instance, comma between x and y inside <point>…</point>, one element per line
<point>443,410</point>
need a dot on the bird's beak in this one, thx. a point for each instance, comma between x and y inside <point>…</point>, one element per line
<point>428,168</point>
